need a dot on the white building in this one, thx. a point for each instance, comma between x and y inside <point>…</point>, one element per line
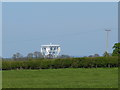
<point>50,51</point>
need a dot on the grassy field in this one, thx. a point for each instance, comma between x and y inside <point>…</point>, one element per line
<point>61,78</point>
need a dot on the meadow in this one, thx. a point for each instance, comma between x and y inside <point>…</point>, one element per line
<point>61,78</point>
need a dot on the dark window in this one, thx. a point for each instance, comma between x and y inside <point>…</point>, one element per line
<point>51,48</point>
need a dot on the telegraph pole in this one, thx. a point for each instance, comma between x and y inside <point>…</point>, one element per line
<point>107,40</point>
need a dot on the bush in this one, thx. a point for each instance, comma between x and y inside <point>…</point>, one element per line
<point>86,62</point>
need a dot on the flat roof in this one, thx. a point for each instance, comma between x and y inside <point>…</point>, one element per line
<point>49,45</point>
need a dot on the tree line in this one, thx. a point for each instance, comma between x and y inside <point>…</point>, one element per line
<point>37,54</point>
<point>34,55</point>
<point>35,61</point>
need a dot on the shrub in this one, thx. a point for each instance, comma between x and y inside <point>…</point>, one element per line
<point>86,62</point>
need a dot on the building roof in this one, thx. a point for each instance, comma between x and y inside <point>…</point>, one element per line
<point>50,45</point>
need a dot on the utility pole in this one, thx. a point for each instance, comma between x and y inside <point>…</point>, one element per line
<point>107,40</point>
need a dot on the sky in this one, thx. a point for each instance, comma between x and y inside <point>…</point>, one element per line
<point>78,27</point>
<point>0,29</point>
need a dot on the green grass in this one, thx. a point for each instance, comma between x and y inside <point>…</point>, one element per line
<point>61,78</point>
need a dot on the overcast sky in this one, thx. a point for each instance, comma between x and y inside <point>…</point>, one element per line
<point>78,27</point>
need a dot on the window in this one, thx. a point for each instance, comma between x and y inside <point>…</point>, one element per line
<point>51,48</point>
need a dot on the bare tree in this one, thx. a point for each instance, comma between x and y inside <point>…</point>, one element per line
<point>30,55</point>
<point>14,56</point>
<point>64,56</point>
<point>37,54</point>
<point>90,56</point>
<point>96,55</point>
<point>40,55</point>
<point>17,56</point>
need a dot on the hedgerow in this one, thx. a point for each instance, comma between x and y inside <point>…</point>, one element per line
<point>86,62</point>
